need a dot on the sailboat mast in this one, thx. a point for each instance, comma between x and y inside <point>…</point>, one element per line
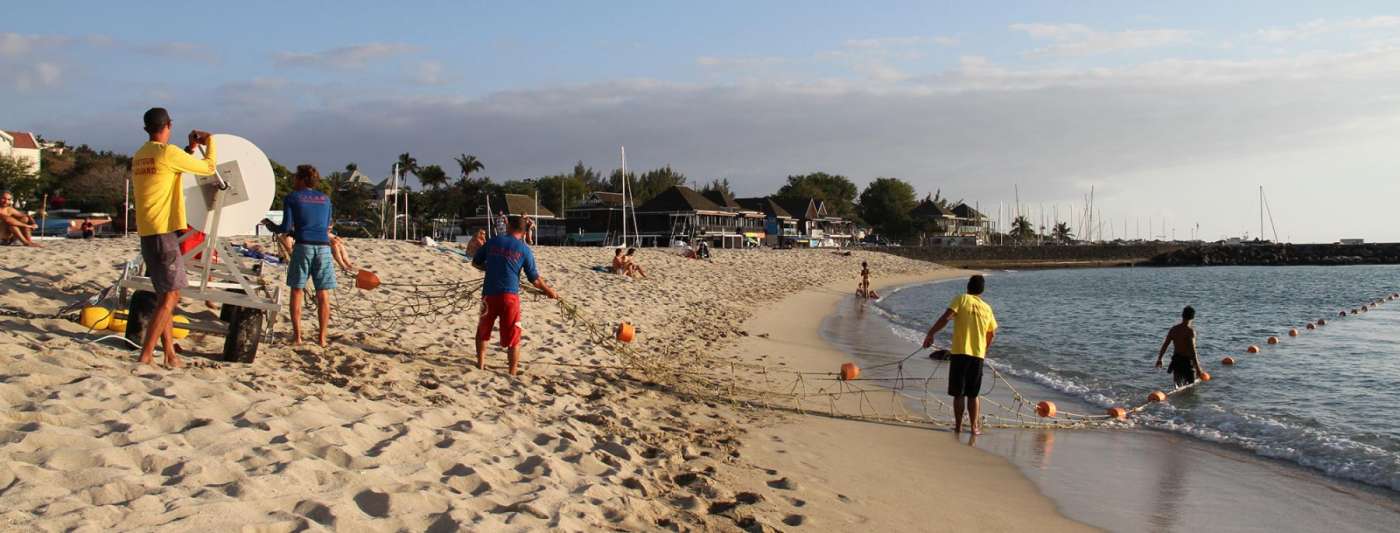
<point>624,196</point>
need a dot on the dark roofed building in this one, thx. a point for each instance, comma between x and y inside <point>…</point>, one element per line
<point>779,224</point>
<point>682,213</point>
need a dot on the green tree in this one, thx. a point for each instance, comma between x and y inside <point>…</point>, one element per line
<point>1022,229</point>
<point>591,179</point>
<point>574,190</point>
<point>407,165</point>
<point>720,185</point>
<point>17,177</point>
<point>837,191</point>
<point>100,187</point>
<point>432,176</point>
<point>649,183</point>
<point>525,187</point>
<point>885,205</point>
<point>468,164</point>
<point>1062,233</point>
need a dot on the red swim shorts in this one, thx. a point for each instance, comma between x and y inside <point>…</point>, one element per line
<point>507,308</point>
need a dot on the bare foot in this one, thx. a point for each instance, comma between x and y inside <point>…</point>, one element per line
<point>976,431</point>
<point>957,429</point>
<point>296,340</point>
<point>146,360</point>
<point>324,342</point>
<point>174,362</point>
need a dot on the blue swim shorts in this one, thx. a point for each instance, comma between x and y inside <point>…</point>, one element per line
<point>314,261</point>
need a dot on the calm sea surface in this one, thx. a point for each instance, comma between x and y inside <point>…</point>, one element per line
<point>1328,399</point>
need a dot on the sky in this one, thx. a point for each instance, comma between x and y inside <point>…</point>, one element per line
<point>1173,113</point>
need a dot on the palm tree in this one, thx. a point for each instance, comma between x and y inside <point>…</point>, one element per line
<point>469,164</point>
<point>350,168</point>
<point>407,164</point>
<point>1022,229</point>
<point>432,176</point>
<point>1062,233</point>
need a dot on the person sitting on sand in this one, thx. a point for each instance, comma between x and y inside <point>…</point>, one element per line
<point>974,327</point>
<point>15,225</point>
<point>341,253</point>
<point>631,267</point>
<point>1186,365</point>
<point>87,228</point>
<point>503,258</point>
<point>306,215</point>
<point>619,262</point>
<point>478,240</point>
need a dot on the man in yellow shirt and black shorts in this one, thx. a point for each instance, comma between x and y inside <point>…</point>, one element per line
<point>974,327</point>
<point>156,170</point>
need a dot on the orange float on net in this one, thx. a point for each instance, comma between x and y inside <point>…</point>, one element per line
<point>1118,413</point>
<point>1157,396</point>
<point>1293,332</point>
<point>1253,348</point>
<point>1045,409</point>
<point>1205,376</point>
<point>849,371</point>
<point>1310,326</point>
<point>1272,340</point>
<point>1228,361</point>
<point>366,280</point>
<point>1322,322</point>
<point>1342,313</point>
<point>626,332</point>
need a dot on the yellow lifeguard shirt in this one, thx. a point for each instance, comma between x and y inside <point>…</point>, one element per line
<point>155,179</point>
<point>972,319</point>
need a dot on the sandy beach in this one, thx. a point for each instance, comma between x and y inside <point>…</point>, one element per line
<point>391,427</point>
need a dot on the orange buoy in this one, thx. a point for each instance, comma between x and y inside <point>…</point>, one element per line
<point>1228,361</point>
<point>1292,332</point>
<point>366,280</point>
<point>1045,409</point>
<point>1118,413</point>
<point>1322,322</point>
<point>1355,312</point>
<point>849,371</point>
<point>625,332</point>
<point>1272,340</point>
<point>1253,348</point>
<point>1311,326</point>
<point>1205,376</point>
<point>1157,396</point>
<point>1363,309</point>
<point>1342,313</point>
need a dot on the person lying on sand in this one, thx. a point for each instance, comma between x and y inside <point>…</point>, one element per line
<point>15,225</point>
<point>1186,364</point>
<point>503,258</point>
<point>974,327</point>
<point>307,216</point>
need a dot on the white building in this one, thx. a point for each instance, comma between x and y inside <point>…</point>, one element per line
<point>20,145</point>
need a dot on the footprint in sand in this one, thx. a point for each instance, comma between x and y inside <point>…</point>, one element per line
<point>794,520</point>
<point>316,511</point>
<point>373,503</point>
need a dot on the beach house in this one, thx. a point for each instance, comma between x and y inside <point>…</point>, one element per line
<point>681,213</point>
<point>816,227</point>
<point>749,223</point>
<point>597,220</point>
<point>780,227</point>
<point>549,229</point>
<point>21,145</point>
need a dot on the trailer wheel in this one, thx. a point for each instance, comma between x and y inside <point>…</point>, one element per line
<point>138,314</point>
<point>245,328</point>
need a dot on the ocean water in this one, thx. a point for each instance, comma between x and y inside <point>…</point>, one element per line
<point>1327,400</point>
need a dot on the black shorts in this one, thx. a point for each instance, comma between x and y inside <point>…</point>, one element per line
<point>164,263</point>
<point>1183,370</point>
<point>964,375</point>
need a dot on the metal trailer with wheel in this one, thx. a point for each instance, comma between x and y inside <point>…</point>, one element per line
<point>230,202</point>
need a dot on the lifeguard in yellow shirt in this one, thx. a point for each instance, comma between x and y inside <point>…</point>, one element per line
<point>160,211</point>
<point>974,327</point>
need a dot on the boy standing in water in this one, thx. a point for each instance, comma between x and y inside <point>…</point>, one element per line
<point>974,327</point>
<point>864,289</point>
<point>1185,365</point>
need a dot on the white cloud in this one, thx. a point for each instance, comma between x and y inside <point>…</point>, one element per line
<point>1315,28</point>
<point>345,57</point>
<point>15,44</point>
<point>1071,40</point>
<point>37,76</point>
<point>738,62</point>
<point>428,73</point>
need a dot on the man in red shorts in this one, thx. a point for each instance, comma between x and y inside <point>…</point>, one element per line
<point>503,257</point>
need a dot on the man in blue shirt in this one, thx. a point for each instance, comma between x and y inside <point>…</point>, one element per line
<point>503,257</point>
<point>306,215</point>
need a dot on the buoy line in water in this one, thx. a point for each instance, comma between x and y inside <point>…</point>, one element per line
<point>1313,325</point>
